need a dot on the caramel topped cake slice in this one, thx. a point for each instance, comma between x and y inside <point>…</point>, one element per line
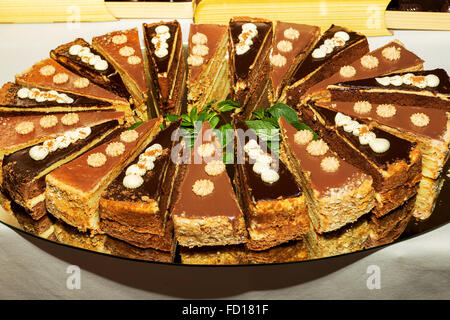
<point>208,76</point>
<point>274,204</point>
<point>23,131</point>
<point>429,88</point>
<point>50,75</point>
<point>73,190</point>
<point>250,41</point>
<point>122,49</point>
<point>167,67</point>
<point>390,58</point>
<point>24,171</point>
<point>395,164</point>
<point>291,43</point>
<point>81,58</point>
<point>18,99</point>
<point>336,48</point>
<point>134,208</point>
<point>338,193</point>
<point>206,211</point>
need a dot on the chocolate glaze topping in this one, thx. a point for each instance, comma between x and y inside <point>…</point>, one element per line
<point>310,64</point>
<point>285,187</point>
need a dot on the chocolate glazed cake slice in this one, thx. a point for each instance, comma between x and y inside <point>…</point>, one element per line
<point>274,204</point>
<point>134,207</point>
<point>395,164</point>
<point>338,193</point>
<point>73,191</point>
<point>20,100</point>
<point>429,88</point>
<point>123,50</point>
<point>48,74</point>
<point>250,41</point>
<point>208,75</point>
<point>167,66</point>
<point>291,43</point>
<point>81,58</point>
<point>24,171</point>
<point>337,47</point>
<point>390,58</point>
<point>206,211</point>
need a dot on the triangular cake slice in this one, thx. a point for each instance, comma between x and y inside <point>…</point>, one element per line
<point>206,211</point>
<point>208,74</point>
<point>17,99</point>
<point>428,88</point>
<point>73,191</point>
<point>291,43</point>
<point>122,49</point>
<point>81,58</point>
<point>337,47</point>
<point>338,193</point>
<point>21,131</point>
<point>50,75</point>
<point>390,58</point>
<point>167,66</point>
<point>134,208</point>
<point>274,204</point>
<point>250,42</point>
<point>24,171</point>
<point>394,164</point>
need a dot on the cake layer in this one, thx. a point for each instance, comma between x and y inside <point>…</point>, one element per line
<point>428,127</point>
<point>390,58</point>
<point>429,88</point>
<point>206,211</point>
<point>388,228</point>
<point>141,210</point>
<point>163,41</point>
<point>395,164</point>
<point>81,58</point>
<point>16,99</point>
<point>24,171</point>
<point>208,76</point>
<point>336,48</point>
<point>291,43</point>
<point>14,138</point>
<point>250,41</point>
<point>349,238</point>
<point>337,192</point>
<point>73,190</point>
<point>122,49</point>
<point>274,204</point>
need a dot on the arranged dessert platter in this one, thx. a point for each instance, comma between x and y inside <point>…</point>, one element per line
<point>261,142</point>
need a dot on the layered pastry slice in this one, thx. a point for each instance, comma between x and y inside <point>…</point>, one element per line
<point>81,58</point>
<point>349,238</point>
<point>428,88</point>
<point>291,44</point>
<point>206,211</point>
<point>274,204</point>
<point>18,99</point>
<point>250,42</point>
<point>73,191</point>
<point>208,72</point>
<point>167,66</point>
<point>390,58</point>
<point>122,49</point>
<point>134,208</point>
<point>338,193</point>
<point>390,227</point>
<point>394,164</point>
<point>336,48</point>
<point>49,75</point>
<point>24,171</point>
